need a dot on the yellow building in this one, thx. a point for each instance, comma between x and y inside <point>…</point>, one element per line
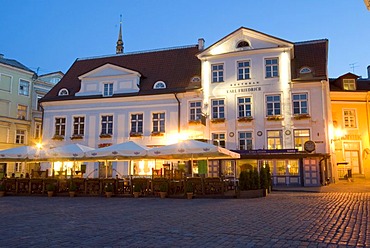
<point>350,96</point>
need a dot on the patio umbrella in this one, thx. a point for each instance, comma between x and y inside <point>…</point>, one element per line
<point>71,151</point>
<point>21,153</point>
<point>126,150</point>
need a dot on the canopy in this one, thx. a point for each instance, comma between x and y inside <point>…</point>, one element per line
<point>191,149</point>
<point>20,153</point>
<point>126,150</point>
<point>71,151</point>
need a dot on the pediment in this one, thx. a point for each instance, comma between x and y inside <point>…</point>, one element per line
<point>109,70</point>
<point>255,39</point>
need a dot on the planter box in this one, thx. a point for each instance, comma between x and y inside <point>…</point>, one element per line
<point>254,193</point>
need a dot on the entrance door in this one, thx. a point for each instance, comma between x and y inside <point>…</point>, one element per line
<point>105,171</point>
<point>311,172</point>
<point>353,161</point>
<point>213,168</point>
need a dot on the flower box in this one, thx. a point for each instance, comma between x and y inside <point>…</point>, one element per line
<point>134,134</point>
<point>274,118</point>
<point>218,120</point>
<point>104,145</point>
<point>157,134</point>
<point>77,137</point>
<point>58,137</point>
<point>245,119</point>
<point>105,136</point>
<point>195,122</point>
<point>301,116</point>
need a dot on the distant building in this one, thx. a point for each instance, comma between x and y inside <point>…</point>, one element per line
<point>350,103</point>
<point>20,118</point>
<point>259,95</point>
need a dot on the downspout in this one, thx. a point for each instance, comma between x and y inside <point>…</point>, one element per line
<point>367,115</point>
<point>178,112</point>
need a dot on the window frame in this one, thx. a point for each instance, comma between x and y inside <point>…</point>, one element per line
<point>158,122</point>
<point>108,91</point>
<point>242,76</point>
<point>273,102</point>
<point>217,140</point>
<point>350,119</point>
<point>297,135</point>
<point>248,141</point>
<point>106,124</point>
<point>135,126</point>
<point>274,138</point>
<point>244,111</point>
<point>78,126</point>
<point>273,73</point>
<point>195,112</point>
<point>348,83</point>
<point>60,126</point>
<point>22,91</point>
<point>20,136</point>
<point>220,112</point>
<point>22,114</point>
<point>300,103</point>
<point>217,74</point>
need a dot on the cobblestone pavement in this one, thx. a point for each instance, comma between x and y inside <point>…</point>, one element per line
<point>282,219</point>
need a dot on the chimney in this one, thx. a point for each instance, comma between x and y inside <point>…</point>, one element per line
<point>368,71</point>
<point>201,44</point>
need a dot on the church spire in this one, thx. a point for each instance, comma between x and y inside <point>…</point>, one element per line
<point>119,47</point>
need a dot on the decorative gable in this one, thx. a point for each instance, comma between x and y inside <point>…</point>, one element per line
<point>123,80</point>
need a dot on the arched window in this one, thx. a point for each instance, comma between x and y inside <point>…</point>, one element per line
<point>242,44</point>
<point>159,85</point>
<point>305,70</point>
<point>63,92</point>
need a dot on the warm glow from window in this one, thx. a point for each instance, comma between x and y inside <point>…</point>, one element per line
<point>39,145</point>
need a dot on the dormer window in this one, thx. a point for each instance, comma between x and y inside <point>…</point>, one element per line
<point>349,84</point>
<point>243,44</point>
<point>305,70</point>
<point>63,92</point>
<point>159,85</point>
<point>108,89</point>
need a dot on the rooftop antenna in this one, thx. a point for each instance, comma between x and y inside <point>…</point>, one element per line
<point>353,66</point>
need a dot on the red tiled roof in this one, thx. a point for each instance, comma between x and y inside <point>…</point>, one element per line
<point>174,66</point>
<point>312,54</point>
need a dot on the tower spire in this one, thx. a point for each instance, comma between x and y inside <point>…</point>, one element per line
<point>119,47</point>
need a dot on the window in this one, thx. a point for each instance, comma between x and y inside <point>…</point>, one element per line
<point>78,125</point>
<point>18,167</point>
<point>37,133</point>
<point>300,104</point>
<point>271,68</point>
<point>108,89</point>
<point>38,106</point>
<point>159,85</point>
<point>274,139</point>
<point>218,139</point>
<point>20,137</point>
<point>244,70</point>
<point>107,124</point>
<point>349,84</point>
<point>5,82</point>
<point>242,44</point>
<point>22,112</point>
<point>300,137</point>
<point>218,109</point>
<point>24,88</point>
<point>137,123</point>
<point>63,92</point>
<point>244,107</point>
<point>245,140</point>
<point>293,167</point>
<point>217,73</point>
<point>273,105</point>
<point>60,126</point>
<point>195,110</point>
<point>158,122</point>
<point>349,116</point>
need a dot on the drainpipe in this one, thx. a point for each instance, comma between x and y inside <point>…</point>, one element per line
<point>178,112</point>
<point>367,115</point>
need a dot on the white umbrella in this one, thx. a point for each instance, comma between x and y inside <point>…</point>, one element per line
<point>21,153</point>
<point>126,150</point>
<point>71,151</point>
<point>191,149</point>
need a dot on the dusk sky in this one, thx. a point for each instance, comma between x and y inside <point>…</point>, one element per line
<point>49,36</point>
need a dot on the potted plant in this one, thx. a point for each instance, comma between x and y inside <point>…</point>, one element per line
<point>72,189</point>
<point>50,188</point>
<point>109,190</point>
<point>249,184</point>
<point>2,189</point>
<point>163,189</point>
<point>189,190</point>
<point>137,190</point>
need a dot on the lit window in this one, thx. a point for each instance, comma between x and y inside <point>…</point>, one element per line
<point>158,122</point>
<point>107,124</point>
<point>18,167</point>
<point>20,137</point>
<point>63,92</point>
<point>37,133</point>
<point>349,84</point>
<point>108,89</point>
<point>271,68</point>
<point>24,88</point>
<point>244,70</point>
<point>22,112</point>
<point>349,116</point>
<point>300,104</point>
<point>159,85</point>
<point>218,139</point>
<point>218,109</point>
<point>217,73</point>
<point>244,107</point>
<point>195,110</point>
<point>300,137</point>
<point>245,140</point>
<point>274,139</point>
<point>78,125</point>
<point>60,126</point>
<point>137,123</point>
<point>273,105</point>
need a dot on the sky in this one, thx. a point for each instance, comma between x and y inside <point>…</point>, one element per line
<point>49,35</point>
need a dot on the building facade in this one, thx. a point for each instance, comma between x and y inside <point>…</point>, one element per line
<point>350,109</point>
<point>259,95</point>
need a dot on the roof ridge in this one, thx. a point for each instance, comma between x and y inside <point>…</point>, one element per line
<point>139,52</point>
<point>310,41</point>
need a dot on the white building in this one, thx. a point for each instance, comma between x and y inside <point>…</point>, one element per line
<point>250,92</point>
